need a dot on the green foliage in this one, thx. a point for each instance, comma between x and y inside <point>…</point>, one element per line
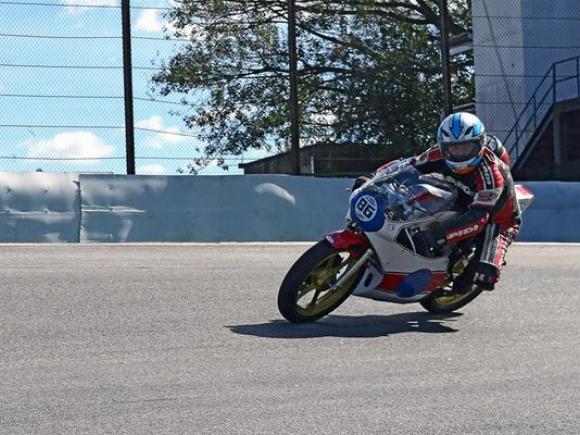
<point>369,72</point>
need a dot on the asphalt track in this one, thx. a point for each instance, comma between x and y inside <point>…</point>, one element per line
<point>186,339</point>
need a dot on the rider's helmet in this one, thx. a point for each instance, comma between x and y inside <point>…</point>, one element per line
<point>461,137</point>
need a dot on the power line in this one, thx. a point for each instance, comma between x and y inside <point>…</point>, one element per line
<point>91,37</point>
<point>235,159</point>
<point>88,97</point>
<point>91,67</point>
<point>176,103</point>
<point>172,39</point>
<point>59,158</point>
<point>79,6</point>
<point>103,127</point>
<point>152,130</point>
<point>144,68</point>
<point>161,8</point>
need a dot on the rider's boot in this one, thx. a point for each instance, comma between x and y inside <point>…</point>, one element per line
<point>486,277</point>
<point>463,283</point>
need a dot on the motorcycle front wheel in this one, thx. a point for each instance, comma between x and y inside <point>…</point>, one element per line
<point>304,294</point>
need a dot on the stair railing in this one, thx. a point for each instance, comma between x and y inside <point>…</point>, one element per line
<point>540,104</point>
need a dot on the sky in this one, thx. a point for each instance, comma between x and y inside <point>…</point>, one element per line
<point>57,34</point>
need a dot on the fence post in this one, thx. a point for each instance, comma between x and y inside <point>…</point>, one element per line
<point>293,74</point>
<point>445,64</point>
<point>128,73</point>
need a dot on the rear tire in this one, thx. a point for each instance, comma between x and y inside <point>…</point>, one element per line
<point>444,300</point>
<point>309,280</point>
<point>448,304</point>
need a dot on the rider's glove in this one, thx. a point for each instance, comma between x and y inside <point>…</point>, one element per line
<point>429,242</point>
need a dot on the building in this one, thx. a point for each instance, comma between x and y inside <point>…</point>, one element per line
<point>325,160</point>
<point>527,66</point>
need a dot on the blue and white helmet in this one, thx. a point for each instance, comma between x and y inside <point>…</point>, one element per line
<point>462,138</point>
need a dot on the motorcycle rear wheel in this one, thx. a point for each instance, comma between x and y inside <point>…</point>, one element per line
<point>304,296</point>
<point>449,303</point>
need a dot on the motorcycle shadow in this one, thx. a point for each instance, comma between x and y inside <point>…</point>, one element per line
<point>352,326</point>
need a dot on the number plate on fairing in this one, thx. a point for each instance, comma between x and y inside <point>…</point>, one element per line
<point>367,211</point>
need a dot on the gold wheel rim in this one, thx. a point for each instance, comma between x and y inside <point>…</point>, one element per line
<point>445,301</point>
<point>452,299</point>
<point>313,296</point>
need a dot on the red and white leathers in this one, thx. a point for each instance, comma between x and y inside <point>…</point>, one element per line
<point>494,144</point>
<point>487,205</point>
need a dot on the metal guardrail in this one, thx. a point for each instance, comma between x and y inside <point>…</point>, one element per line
<point>541,103</point>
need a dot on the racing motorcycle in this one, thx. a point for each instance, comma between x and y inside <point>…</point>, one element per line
<point>375,256</point>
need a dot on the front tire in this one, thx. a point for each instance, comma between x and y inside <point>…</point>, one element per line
<point>304,296</point>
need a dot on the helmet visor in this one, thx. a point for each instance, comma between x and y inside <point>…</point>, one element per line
<point>461,152</point>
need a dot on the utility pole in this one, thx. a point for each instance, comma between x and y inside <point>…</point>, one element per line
<point>294,104</point>
<point>445,59</point>
<point>128,70</point>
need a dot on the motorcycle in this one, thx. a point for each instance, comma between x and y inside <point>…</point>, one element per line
<point>376,257</point>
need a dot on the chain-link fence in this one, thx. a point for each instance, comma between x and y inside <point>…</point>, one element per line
<point>210,83</point>
<point>370,82</point>
<point>62,84</point>
<point>62,90</point>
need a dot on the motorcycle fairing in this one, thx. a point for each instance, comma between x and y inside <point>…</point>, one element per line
<point>383,286</point>
<point>355,243</point>
<point>523,196</point>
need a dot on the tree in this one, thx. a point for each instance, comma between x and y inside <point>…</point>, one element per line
<point>369,72</point>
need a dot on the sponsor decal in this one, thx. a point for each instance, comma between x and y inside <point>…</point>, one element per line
<point>462,232</point>
<point>459,185</point>
<point>486,175</point>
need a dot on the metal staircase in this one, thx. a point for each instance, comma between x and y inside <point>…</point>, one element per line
<point>561,83</point>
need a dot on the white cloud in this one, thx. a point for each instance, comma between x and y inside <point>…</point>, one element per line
<point>152,21</point>
<point>75,6</point>
<point>71,145</point>
<point>160,140</point>
<point>149,21</point>
<point>155,169</point>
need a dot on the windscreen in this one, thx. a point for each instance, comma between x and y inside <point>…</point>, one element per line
<point>400,193</point>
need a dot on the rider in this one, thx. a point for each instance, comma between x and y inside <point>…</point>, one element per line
<point>479,166</point>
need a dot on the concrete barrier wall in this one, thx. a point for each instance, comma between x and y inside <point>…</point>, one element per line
<point>228,208</point>
<point>554,216</point>
<point>39,207</point>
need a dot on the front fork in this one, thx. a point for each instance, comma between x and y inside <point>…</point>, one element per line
<point>359,248</point>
